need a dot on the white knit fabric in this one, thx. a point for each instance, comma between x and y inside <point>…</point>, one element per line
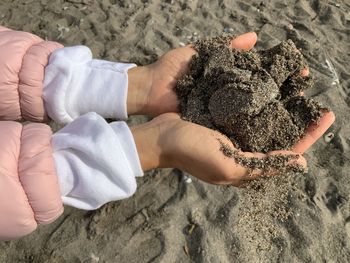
<point>96,162</point>
<point>76,84</point>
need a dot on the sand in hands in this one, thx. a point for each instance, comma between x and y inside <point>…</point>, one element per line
<point>255,99</point>
<point>252,97</point>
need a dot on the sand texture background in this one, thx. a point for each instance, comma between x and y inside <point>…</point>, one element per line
<point>168,219</point>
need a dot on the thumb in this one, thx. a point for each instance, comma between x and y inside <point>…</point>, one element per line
<point>298,160</point>
<point>246,41</point>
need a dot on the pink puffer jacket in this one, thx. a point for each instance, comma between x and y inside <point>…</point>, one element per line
<point>23,57</point>
<point>29,191</point>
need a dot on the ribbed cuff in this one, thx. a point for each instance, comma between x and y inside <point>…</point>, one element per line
<point>76,84</point>
<point>129,147</point>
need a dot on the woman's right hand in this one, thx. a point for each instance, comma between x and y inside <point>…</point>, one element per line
<point>169,141</point>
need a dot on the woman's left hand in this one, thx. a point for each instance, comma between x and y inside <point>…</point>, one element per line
<point>151,88</point>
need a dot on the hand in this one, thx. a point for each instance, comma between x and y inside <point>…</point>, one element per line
<point>151,88</point>
<point>168,141</point>
<point>314,132</point>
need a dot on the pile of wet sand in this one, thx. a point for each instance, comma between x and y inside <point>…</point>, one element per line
<point>253,97</point>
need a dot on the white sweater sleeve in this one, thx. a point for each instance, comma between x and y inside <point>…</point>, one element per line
<point>76,84</point>
<point>96,162</point>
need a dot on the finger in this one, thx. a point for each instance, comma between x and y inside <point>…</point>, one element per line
<point>244,172</point>
<point>248,174</point>
<point>188,51</point>
<point>252,174</point>
<point>304,72</point>
<point>245,42</point>
<point>167,117</point>
<point>172,115</point>
<point>298,160</point>
<point>314,132</point>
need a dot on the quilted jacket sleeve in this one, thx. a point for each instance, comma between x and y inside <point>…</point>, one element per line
<point>86,164</point>
<point>23,58</point>
<point>29,190</point>
<point>42,79</point>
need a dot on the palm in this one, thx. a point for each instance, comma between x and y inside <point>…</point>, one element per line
<point>166,72</point>
<point>197,148</point>
<point>171,67</point>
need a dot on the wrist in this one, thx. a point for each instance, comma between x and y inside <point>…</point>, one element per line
<point>139,82</point>
<point>149,148</point>
<point>153,144</point>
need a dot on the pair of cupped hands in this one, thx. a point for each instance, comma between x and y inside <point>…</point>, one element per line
<point>168,141</point>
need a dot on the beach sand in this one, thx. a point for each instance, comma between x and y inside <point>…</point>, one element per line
<point>171,219</point>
